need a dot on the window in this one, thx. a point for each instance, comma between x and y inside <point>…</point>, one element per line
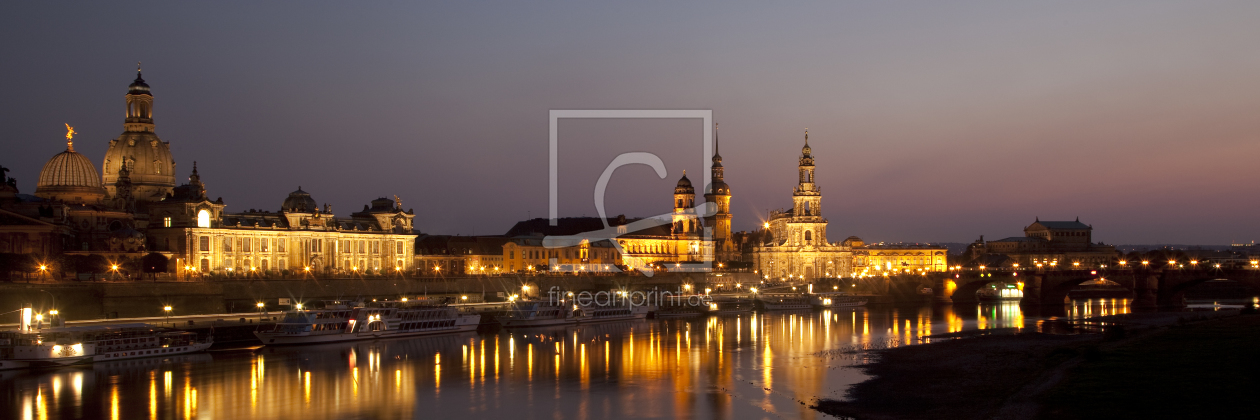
<point>265,245</point>
<point>264,265</point>
<point>280,243</point>
<point>166,222</point>
<point>808,236</point>
<point>245,244</point>
<point>203,219</point>
<point>205,243</point>
<point>227,244</point>
<point>399,247</point>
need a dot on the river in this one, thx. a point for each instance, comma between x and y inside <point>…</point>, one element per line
<point>755,366</point>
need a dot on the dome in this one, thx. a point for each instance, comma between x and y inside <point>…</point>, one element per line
<point>300,202</point>
<point>684,185</point>
<point>138,87</point>
<point>70,176</point>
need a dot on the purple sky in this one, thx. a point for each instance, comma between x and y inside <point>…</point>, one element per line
<point>929,121</point>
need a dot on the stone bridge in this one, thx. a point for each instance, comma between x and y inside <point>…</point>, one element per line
<point>1150,287</point>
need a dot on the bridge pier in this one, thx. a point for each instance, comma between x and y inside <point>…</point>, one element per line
<point>1146,291</point>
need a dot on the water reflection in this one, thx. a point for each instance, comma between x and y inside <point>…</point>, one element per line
<point>748,366</point>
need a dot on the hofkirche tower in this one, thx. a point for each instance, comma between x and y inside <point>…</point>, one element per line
<point>147,158</point>
<point>720,194</point>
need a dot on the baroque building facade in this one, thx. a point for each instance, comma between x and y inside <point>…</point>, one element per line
<point>795,242</point>
<point>1048,245</point>
<point>133,208</point>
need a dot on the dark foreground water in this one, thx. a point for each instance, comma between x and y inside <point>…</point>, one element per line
<point>743,367</point>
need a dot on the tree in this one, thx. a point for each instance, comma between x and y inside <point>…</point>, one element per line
<point>154,263</point>
<point>15,262</point>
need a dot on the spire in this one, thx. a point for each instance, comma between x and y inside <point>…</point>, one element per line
<point>716,143</point>
<point>805,151</point>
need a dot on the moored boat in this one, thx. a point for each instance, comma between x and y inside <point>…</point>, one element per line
<point>378,320</point>
<point>784,302</point>
<point>538,314</point>
<point>837,300</point>
<point>601,313</point>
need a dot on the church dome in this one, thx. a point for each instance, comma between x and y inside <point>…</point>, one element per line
<point>684,186</point>
<point>300,202</point>
<point>138,87</point>
<point>70,176</point>
<point>147,157</point>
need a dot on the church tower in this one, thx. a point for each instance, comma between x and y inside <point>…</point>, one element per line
<point>685,223</point>
<point>807,202</point>
<point>146,157</point>
<point>720,195</point>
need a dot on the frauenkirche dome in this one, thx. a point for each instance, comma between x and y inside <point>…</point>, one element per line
<point>147,157</point>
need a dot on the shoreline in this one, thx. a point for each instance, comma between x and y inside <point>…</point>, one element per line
<point>1031,375</point>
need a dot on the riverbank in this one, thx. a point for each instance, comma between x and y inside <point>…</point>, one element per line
<point>1157,369</point>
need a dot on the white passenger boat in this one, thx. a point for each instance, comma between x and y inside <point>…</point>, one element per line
<point>134,341</point>
<point>43,348</point>
<point>599,313</point>
<point>538,314</point>
<point>837,300</point>
<point>30,347</point>
<point>784,302</point>
<point>377,320</point>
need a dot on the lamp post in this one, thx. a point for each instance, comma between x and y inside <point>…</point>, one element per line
<point>261,307</point>
<point>167,309</point>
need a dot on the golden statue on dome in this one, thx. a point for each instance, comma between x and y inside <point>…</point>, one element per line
<point>70,137</point>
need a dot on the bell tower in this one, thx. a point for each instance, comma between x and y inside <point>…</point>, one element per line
<point>719,194</point>
<point>685,222</point>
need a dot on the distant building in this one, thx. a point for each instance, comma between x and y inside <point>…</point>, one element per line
<point>1060,244</point>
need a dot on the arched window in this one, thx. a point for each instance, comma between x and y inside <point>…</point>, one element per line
<point>808,236</point>
<point>203,219</point>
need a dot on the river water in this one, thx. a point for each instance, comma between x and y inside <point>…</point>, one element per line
<point>755,366</point>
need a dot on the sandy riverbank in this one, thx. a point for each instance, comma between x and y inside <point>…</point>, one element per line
<point>1028,375</point>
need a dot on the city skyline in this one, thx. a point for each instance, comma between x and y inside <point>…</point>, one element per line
<point>1145,138</point>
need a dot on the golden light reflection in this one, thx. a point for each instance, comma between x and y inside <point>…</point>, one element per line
<point>152,394</point>
<point>113,402</point>
<point>650,355</point>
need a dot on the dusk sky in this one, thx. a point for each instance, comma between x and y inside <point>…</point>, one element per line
<point>929,121</point>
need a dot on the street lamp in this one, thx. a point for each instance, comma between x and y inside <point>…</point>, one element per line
<point>261,307</point>
<point>167,309</point>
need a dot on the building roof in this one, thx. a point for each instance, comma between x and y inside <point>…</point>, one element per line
<point>1061,224</point>
<point>1020,239</point>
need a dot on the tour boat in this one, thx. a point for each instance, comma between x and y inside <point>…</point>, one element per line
<point>133,341</point>
<point>539,314</point>
<point>378,320</point>
<point>602,313</point>
<point>837,300</point>
<point>999,292</point>
<point>721,306</point>
<point>28,348</point>
<point>784,302</point>
<point>86,344</point>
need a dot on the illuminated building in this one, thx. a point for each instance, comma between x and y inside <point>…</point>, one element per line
<point>795,240</point>
<point>873,259</point>
<point>1053,244</point>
